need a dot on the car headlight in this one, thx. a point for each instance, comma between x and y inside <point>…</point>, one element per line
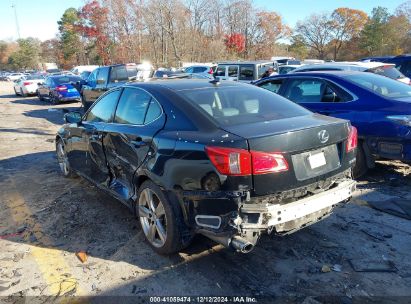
<point>404,120</point>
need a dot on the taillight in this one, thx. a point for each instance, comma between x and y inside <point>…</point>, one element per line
<point>61,88</point>
<point>352,140</point>
<point>268,162</point>
<point>231,161</point>
<point>210,71</point>
<point>27,83</point>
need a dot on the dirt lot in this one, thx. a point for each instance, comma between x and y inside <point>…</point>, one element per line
<point>46,219</point>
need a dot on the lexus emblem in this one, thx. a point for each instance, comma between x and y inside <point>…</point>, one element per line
<point>323,136</point>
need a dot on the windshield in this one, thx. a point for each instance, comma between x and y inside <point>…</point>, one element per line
<point>32,77</point>
<point>236,105</point>
<point>388,71</point>
<point>383,86</point>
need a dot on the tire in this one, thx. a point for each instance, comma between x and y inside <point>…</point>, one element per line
<point>163,227</point>
<point>53,99</point>
<point>22,93</point>
<point>15,92</point>
<point>360,167</point>
<point>41,98</point>
<point>63,160</point>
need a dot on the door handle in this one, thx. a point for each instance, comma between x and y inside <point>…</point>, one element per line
<point>138,142</point>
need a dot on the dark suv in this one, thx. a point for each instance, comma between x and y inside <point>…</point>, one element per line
<point>104,78</point>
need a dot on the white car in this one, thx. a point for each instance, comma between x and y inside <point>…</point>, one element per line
<point>28,85</point>
<point>380,68</point>
<point>14,76</point>
<point>204,70</point>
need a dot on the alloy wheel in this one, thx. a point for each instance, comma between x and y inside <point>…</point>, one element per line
<point>152,218</point>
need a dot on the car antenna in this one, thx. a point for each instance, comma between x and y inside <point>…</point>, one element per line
<point>215,81</point>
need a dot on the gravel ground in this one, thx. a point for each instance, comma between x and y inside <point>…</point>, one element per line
<point>46,219</point>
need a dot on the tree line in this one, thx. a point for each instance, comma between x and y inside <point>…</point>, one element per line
<point>169,32</point>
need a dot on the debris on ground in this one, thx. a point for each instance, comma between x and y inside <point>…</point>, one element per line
<point>82,256</point>
<point>325,268</point>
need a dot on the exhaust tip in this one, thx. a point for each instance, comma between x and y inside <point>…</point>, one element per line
<point>241,245</point>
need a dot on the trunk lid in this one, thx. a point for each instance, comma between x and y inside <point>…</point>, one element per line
<point>313,146</point>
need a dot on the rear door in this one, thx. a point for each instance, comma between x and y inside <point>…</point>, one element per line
<point>137,119</point>
<point>320,96</point>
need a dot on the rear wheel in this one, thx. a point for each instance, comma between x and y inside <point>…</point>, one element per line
<point>53,99</point>
<point>22,93</point>
<point>63,160</point>
<point>360,167</point>
<point>41,98</point>
<point>161,220</point>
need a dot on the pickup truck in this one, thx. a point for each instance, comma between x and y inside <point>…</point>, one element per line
<point>103,79</point>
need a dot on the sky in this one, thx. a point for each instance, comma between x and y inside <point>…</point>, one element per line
<point>38,18</point>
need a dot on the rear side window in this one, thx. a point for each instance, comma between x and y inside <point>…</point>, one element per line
<point>246,72</point>
<point>233,71</point>
<point>242,105</point>
<point>132,107</point>
<point>103,110</point>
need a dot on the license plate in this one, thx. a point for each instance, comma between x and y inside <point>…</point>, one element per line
<point>71,90</point>
<point>317,160</point>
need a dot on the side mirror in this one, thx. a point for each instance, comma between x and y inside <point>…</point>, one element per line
<point>72,117</point>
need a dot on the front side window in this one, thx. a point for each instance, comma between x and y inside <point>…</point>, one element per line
<point>234,105</point>
<point>118,73</point>
<point>103,110</point>
<point>102,75</point>
<point>132,107</point>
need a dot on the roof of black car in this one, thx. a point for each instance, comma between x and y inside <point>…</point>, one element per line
<point>188,84</point>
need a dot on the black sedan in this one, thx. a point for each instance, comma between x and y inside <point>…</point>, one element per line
<point>220,159</point>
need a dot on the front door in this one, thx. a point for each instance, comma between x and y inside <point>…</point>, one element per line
<point>93,162</point>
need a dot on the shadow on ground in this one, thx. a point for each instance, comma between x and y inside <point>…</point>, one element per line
<point>72,215</point>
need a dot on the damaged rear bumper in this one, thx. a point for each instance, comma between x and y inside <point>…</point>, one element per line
<point>241,225</point>
<point>287,218</point>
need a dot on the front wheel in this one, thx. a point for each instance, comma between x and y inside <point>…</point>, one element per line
<point>63,160</point>
<point>161,220</point>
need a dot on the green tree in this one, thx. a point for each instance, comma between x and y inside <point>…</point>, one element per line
<point>298,48</point>
<point>69,38</point>
<point>27,55</point>
<point>374,35</point>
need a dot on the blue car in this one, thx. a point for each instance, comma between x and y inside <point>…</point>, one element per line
<point>60,88</point>
<point>379,107</point>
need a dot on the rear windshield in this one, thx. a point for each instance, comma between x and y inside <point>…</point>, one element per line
<point>383,86</point>
<point>66,79</point>
<point>387,71</point>
<point>236,105</point>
